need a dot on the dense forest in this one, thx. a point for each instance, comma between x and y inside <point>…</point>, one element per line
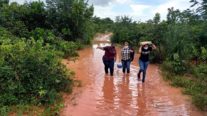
<point>36,36</point>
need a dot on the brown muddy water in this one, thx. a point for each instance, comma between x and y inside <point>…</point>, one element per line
<point>121,95</point>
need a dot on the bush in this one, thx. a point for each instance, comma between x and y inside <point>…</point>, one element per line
<point>176,67</point>
<point>200,72</point>
<point>200,101</point>
<point>42,34</point>
<point>31,73</point>
<point>69,49</point>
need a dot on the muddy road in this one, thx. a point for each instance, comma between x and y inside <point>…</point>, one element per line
<point>121,95</point>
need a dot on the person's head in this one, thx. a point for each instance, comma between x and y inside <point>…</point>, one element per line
<point>126,43</point>
<point>145,46</point>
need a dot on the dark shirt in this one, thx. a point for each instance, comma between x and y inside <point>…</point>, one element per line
<point>145,54</point>
<point>110,53</point>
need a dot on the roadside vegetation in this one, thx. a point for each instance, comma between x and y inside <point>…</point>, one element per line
<point>34,38</point>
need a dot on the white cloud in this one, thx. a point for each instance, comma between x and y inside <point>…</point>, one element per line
<point>177,4</point>
<point>141,12</point>
<point>103,12</point>
<point>139,8</point>
<point>123,1</point>
<point>101,2</point>
<point>23,1</point>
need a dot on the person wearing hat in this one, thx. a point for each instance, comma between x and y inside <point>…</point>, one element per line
<point>144,50</point>
<point>109,58</point>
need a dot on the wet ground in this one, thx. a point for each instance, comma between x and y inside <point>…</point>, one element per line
<point>121,95</point>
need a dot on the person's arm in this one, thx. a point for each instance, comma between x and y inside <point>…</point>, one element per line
<point>154,47</point>
<point>140,49</point>
<point>101,48</point>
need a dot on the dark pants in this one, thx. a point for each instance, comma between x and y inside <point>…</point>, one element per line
<point>109,64</point>
<point>126,66</point>
<point>143,68</point>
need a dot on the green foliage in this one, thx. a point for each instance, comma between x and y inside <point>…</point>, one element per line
<point>200,101</point>
<point>10,18</point>
<point>176,67</point>
<point>194,86</point>
<point>68,48</point>
<point>32,44</point>
<point>201,72</point>
<point>42,34</point>
<point>70,19</point>
<point>126,30</point>
<point>4,110</point>
<point>31,73</point>
<point>103,25</point>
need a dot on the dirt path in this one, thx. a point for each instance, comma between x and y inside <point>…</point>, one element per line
<point>102,95</point>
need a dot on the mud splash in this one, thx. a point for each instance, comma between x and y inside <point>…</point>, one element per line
<point>122,95</point>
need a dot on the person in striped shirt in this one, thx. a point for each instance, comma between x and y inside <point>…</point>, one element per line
<point>126,57</point>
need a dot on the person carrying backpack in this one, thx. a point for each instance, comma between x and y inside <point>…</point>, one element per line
<point>109,58</point>
<point>127,55</point>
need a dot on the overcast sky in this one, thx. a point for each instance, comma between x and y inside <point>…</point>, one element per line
<point>139,10</point>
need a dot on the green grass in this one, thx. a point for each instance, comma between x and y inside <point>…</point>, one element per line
<point>195,86</point>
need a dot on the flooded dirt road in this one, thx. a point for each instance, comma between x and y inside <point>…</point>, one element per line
<point>103,95</point>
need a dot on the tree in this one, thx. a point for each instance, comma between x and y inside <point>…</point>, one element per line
<point>202,8</point>
<point>156,19</point>
<point>173,15</point>
<point>70,18</point>
<point>2,2</point>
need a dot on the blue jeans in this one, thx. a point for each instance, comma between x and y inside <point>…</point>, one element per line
<point>126,65</point>
<point>143,68</point>
<point>109,64</point>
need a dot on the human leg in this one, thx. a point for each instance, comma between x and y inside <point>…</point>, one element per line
<point>111,66</point>
<point>145,71</point>
<point>128,66</point>
<point>123,66</point>
<point>106,66</point>
<point>141,66</point>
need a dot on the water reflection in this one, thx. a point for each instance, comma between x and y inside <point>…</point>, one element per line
<point>141,100</point>
<point>108,93</point>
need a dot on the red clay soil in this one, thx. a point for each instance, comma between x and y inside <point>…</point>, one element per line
<point>122,95</point>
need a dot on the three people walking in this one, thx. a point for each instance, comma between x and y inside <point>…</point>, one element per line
<point>127,56</point>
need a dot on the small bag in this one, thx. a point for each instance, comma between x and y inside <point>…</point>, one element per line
<point>119,65</point>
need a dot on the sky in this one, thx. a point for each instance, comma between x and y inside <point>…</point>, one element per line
<point>138,10</point>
